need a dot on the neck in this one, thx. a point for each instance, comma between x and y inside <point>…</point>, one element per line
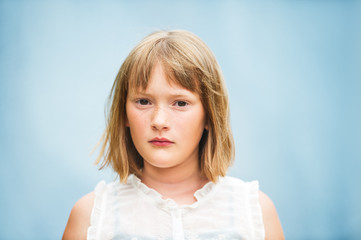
<point>174,183</point>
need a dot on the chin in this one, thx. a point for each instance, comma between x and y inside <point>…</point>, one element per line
<point>162,163</point>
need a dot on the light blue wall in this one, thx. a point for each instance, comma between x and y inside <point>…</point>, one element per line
<point>293,72</point>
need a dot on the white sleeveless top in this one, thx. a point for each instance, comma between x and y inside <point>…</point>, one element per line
<point>226,210</point>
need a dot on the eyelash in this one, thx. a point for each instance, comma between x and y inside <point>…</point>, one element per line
<point>183,102</point>
<point>138,101</point>
<point>178,103</point>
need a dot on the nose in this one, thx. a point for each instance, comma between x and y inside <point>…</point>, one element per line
<point>160,119</point>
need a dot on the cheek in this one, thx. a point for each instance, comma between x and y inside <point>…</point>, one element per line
<point>131,116</point>
<point>136,121</point>
<point>135,127</point>
<point>200,120</point>
<point>192,125</point>
<point>132,120</point>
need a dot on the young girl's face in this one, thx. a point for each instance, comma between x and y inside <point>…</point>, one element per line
<point>166,122</point>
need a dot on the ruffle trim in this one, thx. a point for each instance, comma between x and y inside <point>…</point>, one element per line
<point>170,204</point>
<point>255,210</point>
<point>96,212</point>
<point>204,191</point>
<point>252,190</point>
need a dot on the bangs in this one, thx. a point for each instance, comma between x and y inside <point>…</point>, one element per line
<point>178,66</point>
<point>189,63</point>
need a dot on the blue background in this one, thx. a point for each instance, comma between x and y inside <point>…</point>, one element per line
<point>293,73</point>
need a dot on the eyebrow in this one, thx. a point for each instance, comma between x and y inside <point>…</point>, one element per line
<point>176,93</point>
<point>142,94</point>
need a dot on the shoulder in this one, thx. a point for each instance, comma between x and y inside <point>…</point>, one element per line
<point>79,219</point>
<point>272,224</point>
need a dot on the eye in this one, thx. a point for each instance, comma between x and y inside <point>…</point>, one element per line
<point>180,103</point>
<point>143,101</point>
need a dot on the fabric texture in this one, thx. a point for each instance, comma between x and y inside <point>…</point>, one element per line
<point>228,209</point>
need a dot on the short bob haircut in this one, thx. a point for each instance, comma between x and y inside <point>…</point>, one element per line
<point>189,63</point>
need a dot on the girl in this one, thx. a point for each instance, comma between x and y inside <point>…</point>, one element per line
<point>168,137</point>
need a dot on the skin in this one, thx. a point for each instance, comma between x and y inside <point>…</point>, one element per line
<point>79,219</point>
<point>165,110</point>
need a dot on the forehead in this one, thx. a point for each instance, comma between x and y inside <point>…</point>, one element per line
<point>159,88</point>
<point>161,78</point>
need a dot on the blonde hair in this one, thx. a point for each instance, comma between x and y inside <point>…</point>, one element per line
<point>189,62</point>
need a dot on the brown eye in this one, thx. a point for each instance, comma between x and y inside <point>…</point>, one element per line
<point>181,103</point>
<point>143,101</point>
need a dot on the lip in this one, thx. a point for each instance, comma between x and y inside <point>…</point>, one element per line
<point>161,142</point>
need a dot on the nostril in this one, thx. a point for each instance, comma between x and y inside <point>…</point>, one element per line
<point>159,119</point>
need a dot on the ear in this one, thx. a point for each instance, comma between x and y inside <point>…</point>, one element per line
<point>206,126</point>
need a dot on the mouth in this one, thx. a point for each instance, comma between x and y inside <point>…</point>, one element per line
<point>161,142</point>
